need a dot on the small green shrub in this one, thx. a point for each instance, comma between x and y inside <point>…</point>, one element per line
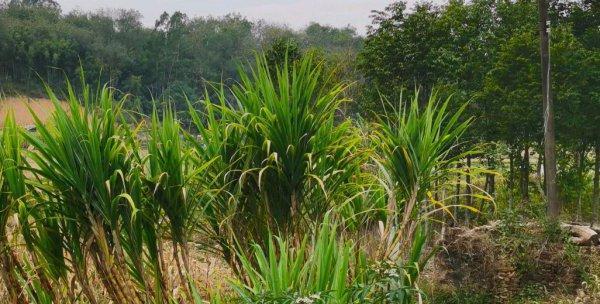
<point>328,269</point>
<point>318,270</point>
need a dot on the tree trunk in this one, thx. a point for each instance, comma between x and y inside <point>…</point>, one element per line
<point>436,194</point>
<point>596,198</point>
<point>511,178</point>
<point>457,194</point>
<point>580,177</point>
<point>444,215</point>
<point>525,175</point>
<point>469,200</point>
<point>540,179</point>
<point>549,143</point>
<point>538,167</point>
<point>491,182</point>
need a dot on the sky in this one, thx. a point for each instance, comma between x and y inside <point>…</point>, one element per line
<point>296,14</point>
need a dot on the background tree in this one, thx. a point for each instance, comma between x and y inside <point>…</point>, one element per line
<point>174,58</point>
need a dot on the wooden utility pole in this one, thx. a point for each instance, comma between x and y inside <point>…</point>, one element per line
<point>549,143</point>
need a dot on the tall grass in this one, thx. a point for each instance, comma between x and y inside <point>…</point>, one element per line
<point>12,189</point>
<point>270,177</point>
<point>86,164</point>
<point>98,200</point>
<point>279,157</point>
<point>293,138</point>
<point>418,148</point>
<point>170,173</point>
<point>316,271</point>
<point>217,147</point>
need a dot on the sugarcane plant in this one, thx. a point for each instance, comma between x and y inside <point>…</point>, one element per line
<point>302,206</point>
<point>318,270</point>
<point>417,148</point>
<point>171,179</point>
<point>12,189</point>
<point>94,207</point>
<point>282,158</point>
<point>84,161</point>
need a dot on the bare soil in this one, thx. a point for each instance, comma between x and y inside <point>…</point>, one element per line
<point>22,108</point>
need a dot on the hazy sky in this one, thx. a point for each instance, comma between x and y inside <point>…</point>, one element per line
<point>296,14</point>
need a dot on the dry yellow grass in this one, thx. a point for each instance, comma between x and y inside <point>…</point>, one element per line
<point>209,272</point>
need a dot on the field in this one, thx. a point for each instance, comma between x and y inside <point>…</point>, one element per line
<point>22,108</point>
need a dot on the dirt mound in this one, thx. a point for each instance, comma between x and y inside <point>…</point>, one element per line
<point>505,263</point>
